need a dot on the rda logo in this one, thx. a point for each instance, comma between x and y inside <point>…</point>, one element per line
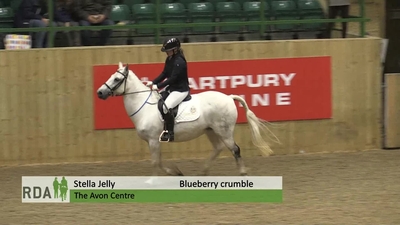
<point>44,190</point>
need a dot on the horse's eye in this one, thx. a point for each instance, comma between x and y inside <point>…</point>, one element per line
<point>116,79</point>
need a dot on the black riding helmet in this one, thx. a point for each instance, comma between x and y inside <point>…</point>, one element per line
<point>170,43</point>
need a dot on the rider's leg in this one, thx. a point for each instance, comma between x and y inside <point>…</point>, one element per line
<point>174,99</point>
<point>171,102</point>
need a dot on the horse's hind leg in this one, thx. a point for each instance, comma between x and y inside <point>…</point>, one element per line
<point>239,161</point>
<point>217,144</point>
<point>228,139</point>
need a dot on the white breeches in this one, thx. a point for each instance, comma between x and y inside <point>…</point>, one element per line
<point>173,99</point>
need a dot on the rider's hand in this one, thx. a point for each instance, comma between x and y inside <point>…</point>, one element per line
<point>149,83</point>
<point>154,87</point>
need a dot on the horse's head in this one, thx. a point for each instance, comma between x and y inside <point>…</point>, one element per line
<point>116,84</point>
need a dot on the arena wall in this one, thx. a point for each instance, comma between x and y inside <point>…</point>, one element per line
<point>47,102</point>
<point>392,111</point>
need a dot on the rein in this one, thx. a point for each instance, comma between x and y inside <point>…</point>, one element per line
<point>145,102</point>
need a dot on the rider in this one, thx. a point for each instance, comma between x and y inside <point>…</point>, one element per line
<point>176,75</point>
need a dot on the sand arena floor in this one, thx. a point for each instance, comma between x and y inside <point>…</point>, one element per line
<point>341,188</point>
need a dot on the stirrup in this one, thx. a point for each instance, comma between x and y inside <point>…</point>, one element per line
<point>162,137</point>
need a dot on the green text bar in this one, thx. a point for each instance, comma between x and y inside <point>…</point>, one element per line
<point>176,196</point>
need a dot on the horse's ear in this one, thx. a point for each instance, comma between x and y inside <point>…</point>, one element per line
<point>127,67</point>
<point>120,65</point>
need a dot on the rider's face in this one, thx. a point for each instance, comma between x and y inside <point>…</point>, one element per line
<point>170,52</point>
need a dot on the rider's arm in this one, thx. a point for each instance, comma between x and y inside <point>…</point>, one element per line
<point>162,76</point>
<point>179,66</point>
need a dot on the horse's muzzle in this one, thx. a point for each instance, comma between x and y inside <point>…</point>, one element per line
<point>103,95</point>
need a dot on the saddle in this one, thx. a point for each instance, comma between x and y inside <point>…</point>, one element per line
<point>164,96</point>
<point>169,118</point>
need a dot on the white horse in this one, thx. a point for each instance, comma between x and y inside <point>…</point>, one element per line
<point>212,113</point>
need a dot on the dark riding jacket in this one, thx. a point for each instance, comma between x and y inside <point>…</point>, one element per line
<point>175,73</point>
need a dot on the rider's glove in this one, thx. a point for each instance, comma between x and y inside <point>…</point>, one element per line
<point>154,87</point>
<point>149,83</point>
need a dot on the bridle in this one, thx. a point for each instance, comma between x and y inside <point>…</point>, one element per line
<point>120,82</point>
<point>125,75</point>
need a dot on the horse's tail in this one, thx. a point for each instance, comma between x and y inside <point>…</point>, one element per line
<point>257,125</point>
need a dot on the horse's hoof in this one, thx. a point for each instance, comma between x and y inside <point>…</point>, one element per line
<point>176,171</point>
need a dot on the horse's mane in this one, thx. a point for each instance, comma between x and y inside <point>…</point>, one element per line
<point>155,96</point>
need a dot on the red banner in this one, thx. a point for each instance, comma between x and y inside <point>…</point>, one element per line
<point>275,89</point>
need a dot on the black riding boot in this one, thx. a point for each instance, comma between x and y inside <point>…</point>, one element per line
<point>169,122</point>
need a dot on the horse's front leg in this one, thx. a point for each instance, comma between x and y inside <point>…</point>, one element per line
<point>155,152</point>
<point>156,161</point>
<point>154,147</point>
